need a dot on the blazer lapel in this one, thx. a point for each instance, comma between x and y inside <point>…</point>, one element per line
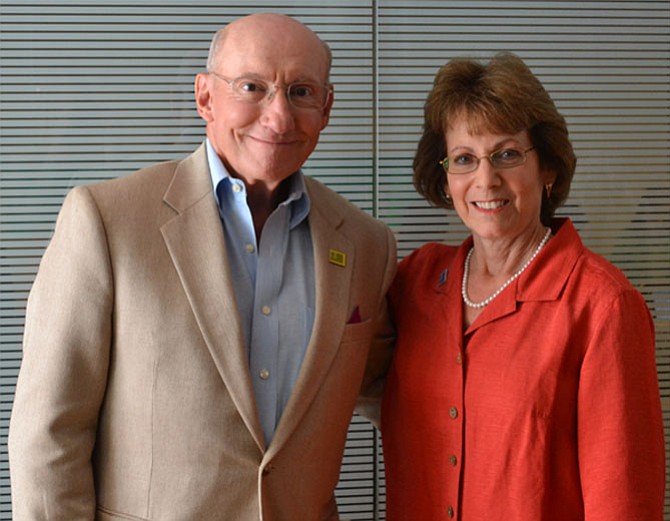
<point>332,294</point>
<point>194,238</point>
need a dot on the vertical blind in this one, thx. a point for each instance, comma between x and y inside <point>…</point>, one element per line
<point>91,90</point>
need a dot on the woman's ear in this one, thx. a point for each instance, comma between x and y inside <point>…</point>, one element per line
<point>549,178</point>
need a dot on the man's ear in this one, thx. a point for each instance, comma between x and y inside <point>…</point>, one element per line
<point>203,96</point>
<point>326,110</point>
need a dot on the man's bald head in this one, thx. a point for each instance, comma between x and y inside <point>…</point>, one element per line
<point>265,25</point>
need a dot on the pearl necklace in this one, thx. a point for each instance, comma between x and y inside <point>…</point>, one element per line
<point>466,270</point>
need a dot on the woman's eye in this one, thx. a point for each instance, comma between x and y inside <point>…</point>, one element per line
<point>508,154</point>
<point>463,159</point>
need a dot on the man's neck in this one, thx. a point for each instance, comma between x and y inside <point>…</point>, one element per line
<point>262,201</point>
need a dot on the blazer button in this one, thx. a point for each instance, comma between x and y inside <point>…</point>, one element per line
<point>453,412</point>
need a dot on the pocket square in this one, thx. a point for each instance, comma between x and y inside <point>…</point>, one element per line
<point>355,317</point>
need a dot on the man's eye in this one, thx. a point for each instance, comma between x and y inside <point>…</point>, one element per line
<point>302,91</point>
<point>251,87</point>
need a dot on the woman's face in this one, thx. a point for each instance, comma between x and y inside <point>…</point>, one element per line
<point>492,201</point>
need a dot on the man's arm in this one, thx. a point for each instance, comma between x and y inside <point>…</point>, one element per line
<point>63,374</point>
<point>381,350</point>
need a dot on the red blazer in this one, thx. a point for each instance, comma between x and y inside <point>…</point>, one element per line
<point>546,408</point>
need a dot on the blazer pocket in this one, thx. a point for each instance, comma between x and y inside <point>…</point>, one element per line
<point>359,332</point>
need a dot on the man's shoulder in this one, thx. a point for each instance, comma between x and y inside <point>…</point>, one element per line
<point>336,206</point>
<point>146,179</point>
<point>324,194</point>
<point>128,198</point>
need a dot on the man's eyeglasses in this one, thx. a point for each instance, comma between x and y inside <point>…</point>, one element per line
<point>503,158</point>
<point>301,95</point>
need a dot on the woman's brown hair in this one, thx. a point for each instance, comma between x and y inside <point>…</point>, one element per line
<point>502,96</point>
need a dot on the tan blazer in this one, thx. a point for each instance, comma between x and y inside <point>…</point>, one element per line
<point>134,399</point>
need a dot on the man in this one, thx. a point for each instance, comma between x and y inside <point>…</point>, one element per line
<point>198,331</point>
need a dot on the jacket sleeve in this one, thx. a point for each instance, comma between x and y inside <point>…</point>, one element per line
<point>381,350</point>
<point>620,428</point>
<point>63,374</point>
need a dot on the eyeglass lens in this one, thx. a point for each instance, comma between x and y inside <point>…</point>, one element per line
<point>300,95</point>
<point>504,158</point>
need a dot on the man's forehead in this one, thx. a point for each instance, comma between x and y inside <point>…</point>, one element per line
<point>261,55</point>
<point>277,39</point>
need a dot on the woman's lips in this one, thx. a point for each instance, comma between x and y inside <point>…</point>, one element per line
<point>491,205</point>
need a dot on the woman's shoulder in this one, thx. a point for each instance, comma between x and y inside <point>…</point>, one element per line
<point>584,268</point>
<point>428,255</point>
<point>423,265</point>
<point>596,272</point>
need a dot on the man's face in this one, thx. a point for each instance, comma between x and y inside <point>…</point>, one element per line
<point>264,142</point>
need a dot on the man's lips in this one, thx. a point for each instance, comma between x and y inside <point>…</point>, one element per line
<point>273,140</point>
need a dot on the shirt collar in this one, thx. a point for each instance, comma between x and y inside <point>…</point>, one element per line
<point>548,274</point>
<point>298,198</point>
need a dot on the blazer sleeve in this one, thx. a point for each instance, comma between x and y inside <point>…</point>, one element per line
<point>620,428</point>
<point>63,374</point>
<point>381,350</point>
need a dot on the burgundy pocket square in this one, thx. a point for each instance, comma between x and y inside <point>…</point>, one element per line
<point>355,317</point>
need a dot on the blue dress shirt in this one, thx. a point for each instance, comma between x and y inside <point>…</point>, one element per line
<point>274,286</point>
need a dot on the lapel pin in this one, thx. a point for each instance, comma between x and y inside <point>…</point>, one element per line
<point>443,277</point>
<point>337,257</point>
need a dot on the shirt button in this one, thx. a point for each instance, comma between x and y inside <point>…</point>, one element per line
<point>237,188</point>
<point>264,374</point>
<point>453,460</point>
<point>450,512</point>
<point>266,310</point>
<point>249,247</point>
<point>453,412</point>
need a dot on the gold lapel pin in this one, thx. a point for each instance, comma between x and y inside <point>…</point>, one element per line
<point>337,257</point>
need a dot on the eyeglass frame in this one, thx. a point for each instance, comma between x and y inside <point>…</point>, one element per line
<point>268,97</point>
<point>445,161</point>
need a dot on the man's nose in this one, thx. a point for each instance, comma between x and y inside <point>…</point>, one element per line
<point>278,113</point>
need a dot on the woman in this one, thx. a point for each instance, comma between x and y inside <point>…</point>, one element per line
<point>524,384</point>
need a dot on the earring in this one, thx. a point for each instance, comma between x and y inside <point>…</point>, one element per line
<point>548,187</point>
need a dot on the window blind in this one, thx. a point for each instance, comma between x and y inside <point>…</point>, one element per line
<point>91,90</point>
